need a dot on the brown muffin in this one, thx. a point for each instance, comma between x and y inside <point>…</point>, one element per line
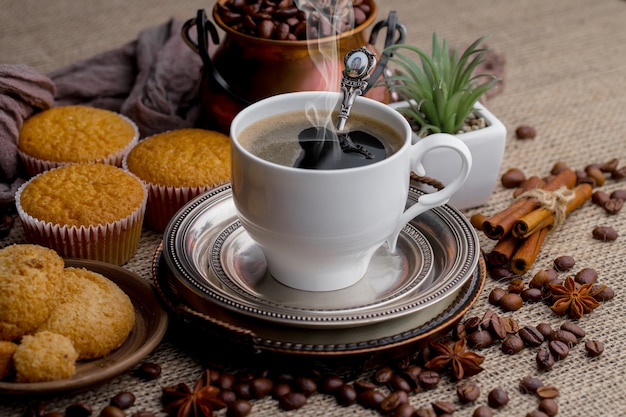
<point>93,312</point>
<point>30,283</point>
<point>91,211</point>
<point>44,356</point>
<point>75,134</point>
<point>177,166</point>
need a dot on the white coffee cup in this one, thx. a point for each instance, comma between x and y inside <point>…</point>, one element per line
<point>318,229</point>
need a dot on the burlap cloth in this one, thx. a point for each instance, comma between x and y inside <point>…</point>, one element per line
<point>565,75</point>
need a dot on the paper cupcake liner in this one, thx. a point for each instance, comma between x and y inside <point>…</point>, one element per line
<point>164,202</point>
<point>114,242</point>
<point>35,166</point>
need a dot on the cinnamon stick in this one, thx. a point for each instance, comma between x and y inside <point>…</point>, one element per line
<point>503,251</point>
<point>530,184</point>
<point>542,217</point>
<point>527,252</point>
<point>501,223</point>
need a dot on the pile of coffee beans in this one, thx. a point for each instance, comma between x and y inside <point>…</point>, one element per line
<point>284,20</point>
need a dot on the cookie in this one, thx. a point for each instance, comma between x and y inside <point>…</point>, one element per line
<point>44,356</point>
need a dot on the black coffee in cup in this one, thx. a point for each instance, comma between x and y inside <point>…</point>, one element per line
<point>292,139</point>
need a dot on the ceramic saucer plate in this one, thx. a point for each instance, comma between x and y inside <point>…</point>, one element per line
<point>150,326</point>
<point>392,335</point>
<point>215,263</point>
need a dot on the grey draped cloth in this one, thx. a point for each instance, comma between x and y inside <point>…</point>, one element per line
<point>153,80</point>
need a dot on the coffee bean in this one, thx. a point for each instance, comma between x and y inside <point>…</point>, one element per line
<point>594,348</point>
<point>330,384</point>
<point>468,392</point>
<point>540,279</point>
<point>383,375</point>
<point>613,206</point>
<point>548,406</point>
<point>511,302</point>
<point>496,295</point>
<point>370,399</point>
<point>227,396</point>
<point>112,411</point>
<point>602,292</point>
<point>495,326</point>
<point>482,411</point>
<point>261,387</point>
<point>558,349</point>
<point>480,339</point>
<point>604,233</point>
<point>411,374</point>
<point>544,360</point>
<point>306,385</point>
<point>443,407</point>
<point>536,413</point>
<point>472,324</point>
<point>392,401</point>
<point>123,400</point>
<point>525,132</point>
<point>586,276</point>
<point>149,370</point>
<point>239,408</point>
<point>532,295</point>
<point>513,178</point>
<point>500,273</point>
<point>497,398</point>
<point>362,385</point>
<point>346,395</point>
<point>531,336</point>
<point>545,329</point>
<point>143,414</point>
<point>226,380</point>
<point>547,391</point>
<point>609,166</point>
<point>600,198</point>
<point>510,325</point>
<point>78,410</point>
<point>280,390</point>
<point>529,385</point>
<point>429,379</point>
<point>512,345</point>
<point>564,336</point>
<point>564,263</point>
<point>398,382</point>
<point>404,410</point>
<point>292,401</point>
<point>425,412</point>
<point>597,175</point>
<point>243,390</point>
<point>621,194</point>
<point>573,328</point>
<point>516,285</point>
<point>619,173</point>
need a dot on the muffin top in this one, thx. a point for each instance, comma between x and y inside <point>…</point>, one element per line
<point>82,195</point>
<point>75,134</point>
<point>182,158</point>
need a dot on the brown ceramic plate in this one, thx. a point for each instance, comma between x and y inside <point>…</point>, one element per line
<point>150,326</point>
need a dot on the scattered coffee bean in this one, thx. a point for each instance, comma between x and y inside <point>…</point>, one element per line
<point>594,348</point>
<point>545,329</point>
<point>482,411</point>
<point>227,396</point>
<point>516,285</point>
<point>78,410</point>
<point>429,379</point>
<point>525,132</point>
<point>547,391</point>
<point>149,370</point>
<point>497,398</point>
<point>472,324</point>
<point>544,359</point>
<point>243,390</point>
<point>511,302</point>
<point>597,175</point>
<point>330,384</point>
<point>468,392</point>
<point>480,339</point>
<point>602,292</point>
<point>573,328</point>
<point>305,385</point>
<point>239,408</point>
<point>548,406</point>
<point>261,387</point>
<point>512,345</point>
<point>411,374</point>
<point>564,263</point>
<point>346,395</point>
<point>404,410</point>
<point>529,385</point>
<point>558,349</point>
<point>613,206</point>
<point>123,400</point>
<point>619,173</point>
<point>394,400</point>
<point>371,399</point>
<point>564,336</point>
<point>513,178</point>
<point>500,273</point>
<point>443,407</point>
<point>604,233</point>
<point>363,385</point>
<point>143,414</point>
<point>280,390</point>
<point>610,166</point>
<point>398,382</point>
<point>532,295</point>
<point>292,401</point>
<point>536,413</point>
<point>383,375</point>
<point>496,295</point>
<point>621,194</point>
<point>600,198</point>
<point>531,336</point>
<point>425,412</point>
<point>586,276</point>
<point>112,411</point>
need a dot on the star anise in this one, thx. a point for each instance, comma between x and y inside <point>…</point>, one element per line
<point>181,401</point>
<point>456,357</point>
<point>573,299</point>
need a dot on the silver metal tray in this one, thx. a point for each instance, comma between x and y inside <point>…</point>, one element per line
<point>215,263</point>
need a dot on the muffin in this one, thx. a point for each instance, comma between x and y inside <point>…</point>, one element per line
<point>75,134</point>
<point>177,166</point>
<point>30,284</point>
<point>89,211</point>
<point>93,312</point>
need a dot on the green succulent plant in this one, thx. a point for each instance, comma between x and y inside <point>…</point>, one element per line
<point>440,87</point>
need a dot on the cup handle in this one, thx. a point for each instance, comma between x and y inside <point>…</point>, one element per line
<point>438,198</point>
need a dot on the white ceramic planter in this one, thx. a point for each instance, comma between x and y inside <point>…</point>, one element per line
<point>487,148</point>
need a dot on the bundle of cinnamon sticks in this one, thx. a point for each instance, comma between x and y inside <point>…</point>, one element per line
<point>521,228</point>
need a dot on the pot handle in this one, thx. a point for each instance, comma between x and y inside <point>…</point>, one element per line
<point>204,27</point>
<point>393,27</point>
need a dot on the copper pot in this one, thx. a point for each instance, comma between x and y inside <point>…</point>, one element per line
<point>245,69</point>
